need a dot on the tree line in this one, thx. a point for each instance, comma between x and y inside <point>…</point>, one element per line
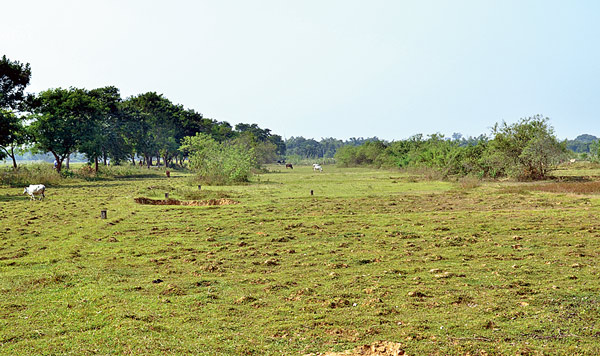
<point>106,127</point>
<point>524,150</point>
<point>302,148</point>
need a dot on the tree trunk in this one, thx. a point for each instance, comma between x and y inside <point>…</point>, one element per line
<point>12,155</point>
<point>96,164</point>
<point>166,162</point>
<point>58,162</point>
<point>68,161</point>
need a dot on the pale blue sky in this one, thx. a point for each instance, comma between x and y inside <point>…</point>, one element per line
<point>327,68</point>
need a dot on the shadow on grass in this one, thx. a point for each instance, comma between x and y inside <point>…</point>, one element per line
<point>15,197</point>
<point>572,179</point>
<point>102,184</point>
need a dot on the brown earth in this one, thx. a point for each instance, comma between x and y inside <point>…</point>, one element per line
<point>380,348</point>
<point>148,201</point>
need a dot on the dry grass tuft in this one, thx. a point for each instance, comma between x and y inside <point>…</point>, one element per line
<point>469,182</point>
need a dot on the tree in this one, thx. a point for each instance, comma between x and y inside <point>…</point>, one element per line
<point>159,129</point>
<point>525,150</point>
<point>14,78</point>
<point>15,135</point>
<point>64,119</point>
<point>107,139</point>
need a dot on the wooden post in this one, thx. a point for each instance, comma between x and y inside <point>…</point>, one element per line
<point>166,195</point>
<point>103,214</point>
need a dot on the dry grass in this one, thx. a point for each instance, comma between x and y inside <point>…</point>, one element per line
<point>568,187</point>
<point>469,182</point>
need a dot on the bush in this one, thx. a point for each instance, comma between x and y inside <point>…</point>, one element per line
<point>219,163</point>
<point>526,150</point>
<point>370,153</point>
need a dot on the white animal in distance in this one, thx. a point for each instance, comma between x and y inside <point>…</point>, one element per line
<point>317,167</point>
<point>35,189</point>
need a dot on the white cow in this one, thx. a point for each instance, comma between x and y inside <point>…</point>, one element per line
<point>35,189</point>
<point>317,167</point>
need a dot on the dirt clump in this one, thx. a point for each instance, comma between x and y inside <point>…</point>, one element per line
<point>209,202</point>
<point>380,348</point>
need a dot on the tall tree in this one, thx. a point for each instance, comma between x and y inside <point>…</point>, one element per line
<point>65,120</point>
<point>14,78</point>
<point>109,140</point>
<point>159,126</point>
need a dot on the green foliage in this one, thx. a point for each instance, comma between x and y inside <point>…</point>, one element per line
<point>65,120</point>
<point>527,149</point>
<point>219,163</point>
<point>10,129</point>
<point>594,152</point>
<point>14,78</point>
<point>370,153</point>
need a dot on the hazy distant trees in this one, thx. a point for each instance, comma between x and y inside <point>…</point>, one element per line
<point>302,148</point>
<point>582,143</point>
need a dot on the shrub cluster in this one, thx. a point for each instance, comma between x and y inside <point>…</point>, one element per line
<point>219,162</point>
<point>525,150</point>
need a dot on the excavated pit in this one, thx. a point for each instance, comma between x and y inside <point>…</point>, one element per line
<point>210,202</point>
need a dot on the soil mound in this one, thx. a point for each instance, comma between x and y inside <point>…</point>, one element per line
<point>380,348</point>
<point>148,201</point>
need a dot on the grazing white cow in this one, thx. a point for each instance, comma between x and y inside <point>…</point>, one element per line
<point>317,167</point>
<point>35,189</point>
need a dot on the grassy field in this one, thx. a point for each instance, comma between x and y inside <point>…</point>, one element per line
<point>445,268</point>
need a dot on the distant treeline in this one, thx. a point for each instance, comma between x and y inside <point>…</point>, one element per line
<point>103,126</point>
<point>584,144</point>
<point>325,148</point>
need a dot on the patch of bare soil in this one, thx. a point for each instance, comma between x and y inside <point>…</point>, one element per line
<point>148,201</point>
<point>380,348</point>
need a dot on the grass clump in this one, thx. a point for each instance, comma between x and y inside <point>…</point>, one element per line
<point>38,173</point>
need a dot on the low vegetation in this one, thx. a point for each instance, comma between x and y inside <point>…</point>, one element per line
<point>436,267</point>
<point>526,150</point>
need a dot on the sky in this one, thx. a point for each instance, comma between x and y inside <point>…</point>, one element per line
<point>326,68</point>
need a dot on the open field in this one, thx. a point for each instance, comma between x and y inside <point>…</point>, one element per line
<point>445,268</point>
